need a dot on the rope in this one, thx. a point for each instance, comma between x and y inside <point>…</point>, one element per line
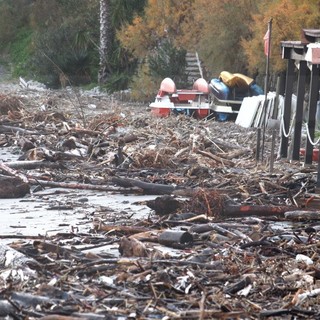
<point>283,128</point>
<point>309,137</point>
<point>286,135</point>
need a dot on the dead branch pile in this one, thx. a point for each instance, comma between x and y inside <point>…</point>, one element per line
<point>225,238</point>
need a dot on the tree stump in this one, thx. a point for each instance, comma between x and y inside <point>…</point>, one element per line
<point>12,187</point>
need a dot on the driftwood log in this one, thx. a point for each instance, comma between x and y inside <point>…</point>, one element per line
<point>238,211</point>
<point>74,185</point>
<point>11,129</point>
<point>218,207</point>
<point>33,164</point>
<point>148,188</point>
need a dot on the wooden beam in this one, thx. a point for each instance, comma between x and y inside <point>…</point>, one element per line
<point>293,50</point>
<point>287,109</point>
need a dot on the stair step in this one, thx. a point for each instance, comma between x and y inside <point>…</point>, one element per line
<point>192,67</point>
<point>192,61</point>
<point>192,64</point>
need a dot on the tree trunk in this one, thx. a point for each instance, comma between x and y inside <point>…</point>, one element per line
<point>104,39</point>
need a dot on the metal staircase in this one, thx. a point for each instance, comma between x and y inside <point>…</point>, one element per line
<point>194,67</point>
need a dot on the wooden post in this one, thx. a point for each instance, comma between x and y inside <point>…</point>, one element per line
<point>299,111</point>
<point>314,96</point>
<point>287,109</point>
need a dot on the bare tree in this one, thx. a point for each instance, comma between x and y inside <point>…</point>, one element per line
<point>105,29</point>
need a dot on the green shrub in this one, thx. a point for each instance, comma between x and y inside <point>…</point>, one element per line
<point>57,52</point>
<point>165,62</point>
<point>117,82</point>
<point>21,52</point>
<point>168,61</point>
<point>144,87</point>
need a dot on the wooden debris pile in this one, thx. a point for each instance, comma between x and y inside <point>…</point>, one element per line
<point>9,104</point>
<point>230,269</point>
<point>224,238</point>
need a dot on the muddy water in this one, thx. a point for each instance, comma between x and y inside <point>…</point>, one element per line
<point>63,210</point>
<point>9,154</point>
<point>49,212</point>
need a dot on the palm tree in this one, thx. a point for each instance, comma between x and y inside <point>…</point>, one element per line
<point>105,28</point>
<point>116,64</point>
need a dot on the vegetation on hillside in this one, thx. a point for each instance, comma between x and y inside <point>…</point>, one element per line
<point>149,38</point>
<point>47,39</point>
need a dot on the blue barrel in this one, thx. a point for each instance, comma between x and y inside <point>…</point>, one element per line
<point>255,90</point>
<point>221,116</point>
<point>219,89</point>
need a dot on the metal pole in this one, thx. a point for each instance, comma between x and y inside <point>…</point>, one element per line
<point>272,150</point>
<point>258,144</point>
<point>318,173</point>
<point>266,89</point>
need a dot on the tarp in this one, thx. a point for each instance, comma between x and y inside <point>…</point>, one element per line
<point>235,80</point>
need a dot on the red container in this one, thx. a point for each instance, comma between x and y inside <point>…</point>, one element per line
<point>201,113</point>
<point>315,154</point>
<point>160,112</point>
<point>186,95</point>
